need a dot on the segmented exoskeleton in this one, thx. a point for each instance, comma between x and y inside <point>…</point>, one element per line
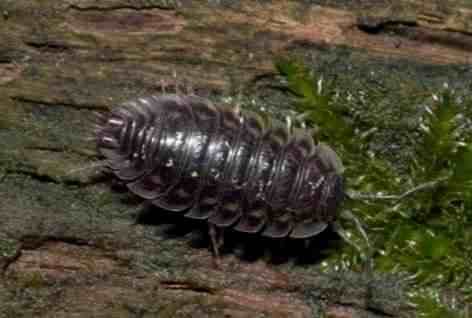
<point>230,168</point>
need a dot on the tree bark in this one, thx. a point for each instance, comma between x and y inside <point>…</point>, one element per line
<point>68,245</point>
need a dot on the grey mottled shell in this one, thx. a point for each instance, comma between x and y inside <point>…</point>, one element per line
<point>233,170</point>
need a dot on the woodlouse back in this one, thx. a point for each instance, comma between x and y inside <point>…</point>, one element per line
<point>231,169</point>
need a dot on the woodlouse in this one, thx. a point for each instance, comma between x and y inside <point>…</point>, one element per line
<point>231,168</point>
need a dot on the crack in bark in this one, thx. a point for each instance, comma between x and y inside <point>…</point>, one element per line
<point>370,26</point>
<point>102,178</point>
<point>412,30</point>
<point>96,107</point>
<point>51,47</point>
<point>187,285</point>
<point>32,174</point>
<point>122,7</point>
<point>32,242</point>
<point>10,260</point>
<point>64,149</point>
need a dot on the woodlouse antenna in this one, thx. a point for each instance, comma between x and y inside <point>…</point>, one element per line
<point>95,124</point>
<point>98,117</point>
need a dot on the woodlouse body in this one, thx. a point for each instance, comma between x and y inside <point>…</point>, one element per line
<point>231,169</point>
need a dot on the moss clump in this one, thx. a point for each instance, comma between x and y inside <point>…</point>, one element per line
<point>418,206</point>
<point>8,247</point>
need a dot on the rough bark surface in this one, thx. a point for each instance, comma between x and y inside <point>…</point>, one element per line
<point>68,246</point>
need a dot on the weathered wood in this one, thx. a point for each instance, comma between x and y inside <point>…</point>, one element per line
<point>67,243</point>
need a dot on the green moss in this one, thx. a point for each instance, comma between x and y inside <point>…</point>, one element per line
<point>425,234</point>
<point>30,280</point>
<point>429,305</point>
<point>8,248</point>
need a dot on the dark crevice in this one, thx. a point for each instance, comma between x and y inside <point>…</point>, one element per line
<point>379,312</point>
<point>378,27</point>
<point>376,311</point>
<point>122,7</point>
<point>412,31</point>
<point>50,47</point>
<point>47,148</point>
<point>362,311</point>
<point>10,260</point>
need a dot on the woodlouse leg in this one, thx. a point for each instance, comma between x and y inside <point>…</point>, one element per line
<point>216,237</point>
<point>237,106</point>
<point>289,123</point>
<point>163,86</point>
<point>141,211</point>
<point>176,83</point>
<point>307,244</point>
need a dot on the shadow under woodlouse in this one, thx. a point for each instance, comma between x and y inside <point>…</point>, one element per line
<point>247,248</point>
